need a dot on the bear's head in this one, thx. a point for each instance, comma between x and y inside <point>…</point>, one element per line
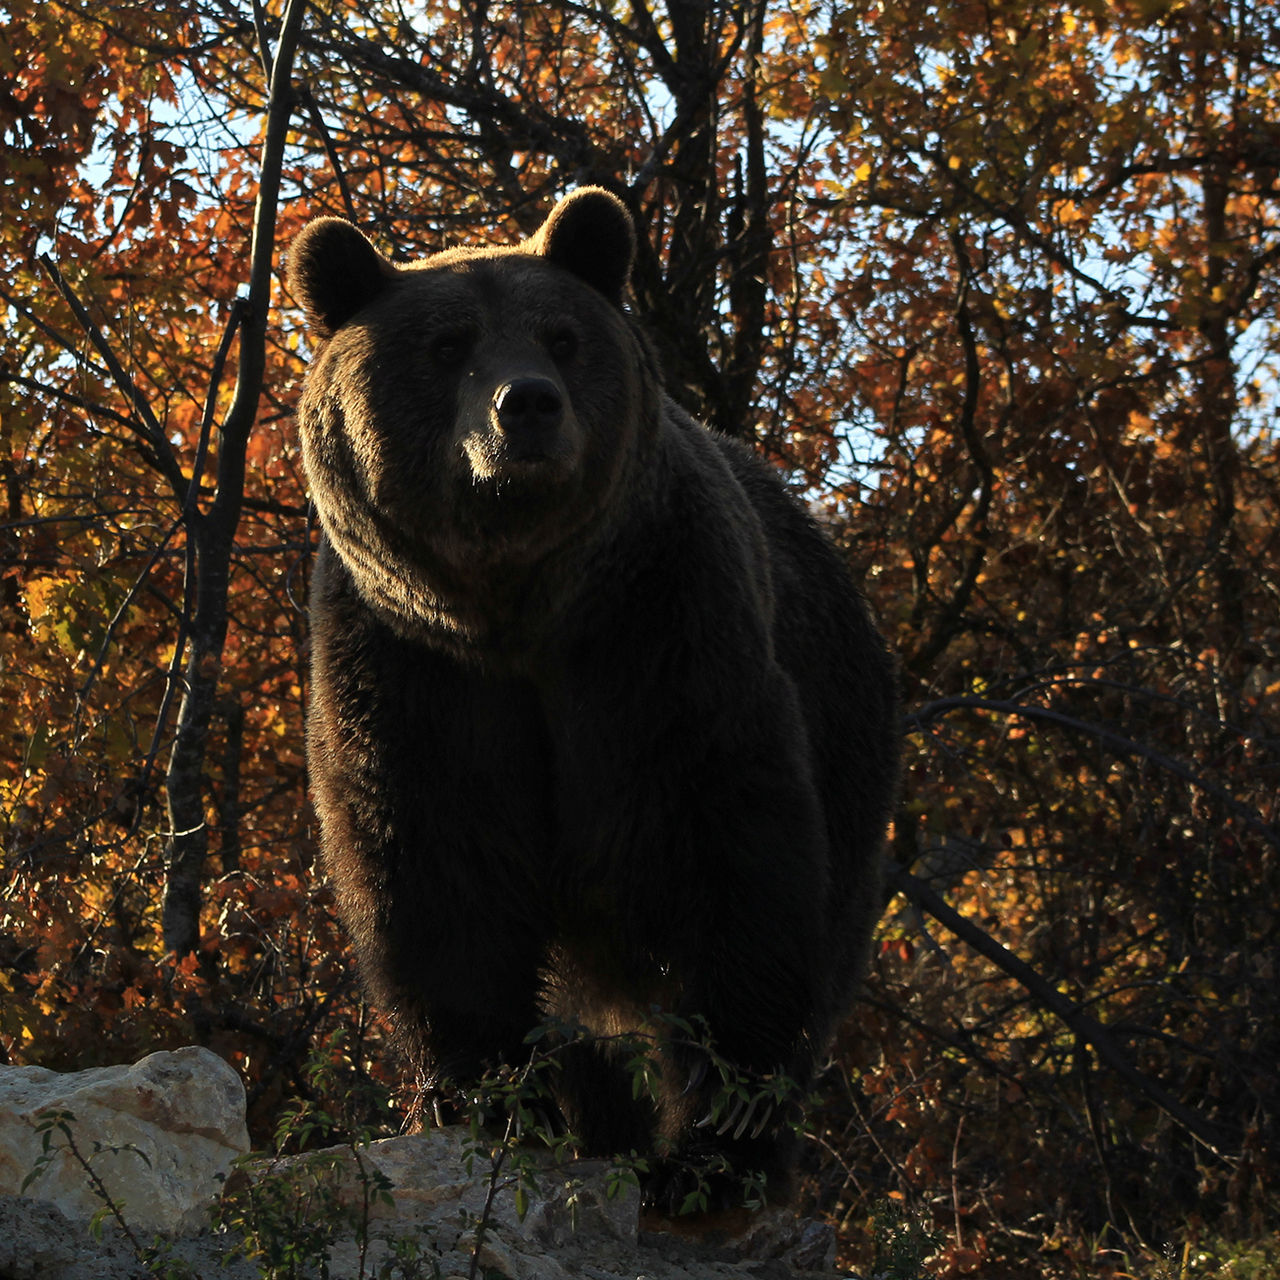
<point>469,416</point>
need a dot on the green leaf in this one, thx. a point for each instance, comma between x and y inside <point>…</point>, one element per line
<point>95,1223</point>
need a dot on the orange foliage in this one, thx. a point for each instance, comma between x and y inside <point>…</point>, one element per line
<point>995,283</point>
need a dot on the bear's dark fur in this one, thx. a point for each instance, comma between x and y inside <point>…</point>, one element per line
<point>599,721</point>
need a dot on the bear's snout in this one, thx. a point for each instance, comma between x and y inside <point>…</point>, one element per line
<point>519,427</point>
<point>528,413</point>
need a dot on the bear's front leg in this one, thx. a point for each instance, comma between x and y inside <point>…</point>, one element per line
<point>747,963</point>
<point>699,846</point>
<point>432,781</point>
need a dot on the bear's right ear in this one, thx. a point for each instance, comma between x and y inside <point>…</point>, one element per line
<point>334,272</point>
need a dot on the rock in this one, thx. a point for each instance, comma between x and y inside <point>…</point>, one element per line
<point>768,1236</point>
<point>803,1243</point>
<point>35,1239</point>
<point>571,1228</point>
<point>167,1128</point>
<point>37,1242</point>
<point>185,1111</point>
<point>814,1249</point>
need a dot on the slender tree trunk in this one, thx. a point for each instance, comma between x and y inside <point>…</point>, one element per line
<point>680,302</point>
<point>213,535</point>
<point>1217,419</point>
<point>231,712</point>
<point>749,242</point>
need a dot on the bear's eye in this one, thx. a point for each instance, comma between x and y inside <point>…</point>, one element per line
<point>450,348</point>
<point>563,344</point>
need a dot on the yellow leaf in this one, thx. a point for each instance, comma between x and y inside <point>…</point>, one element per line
<point>37,591</point>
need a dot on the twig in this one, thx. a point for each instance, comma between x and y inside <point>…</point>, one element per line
<point>326,139</point>
<point>83,693</point>
<point>189,507</point>
<point>482,1225</point>
<point>264,49</point>
<point>955,1181</point>
<point>80,402</point>
<point>61,1119</point>
<point>948,622</point>
<point>1086,1027</point>
<point>71,348</point>
<point>935,710</point>
<point>154,432</point>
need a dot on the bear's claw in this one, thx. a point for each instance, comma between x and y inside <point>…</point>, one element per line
<point>697,1074</point>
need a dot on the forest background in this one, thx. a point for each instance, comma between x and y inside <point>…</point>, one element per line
<point>994,283</point>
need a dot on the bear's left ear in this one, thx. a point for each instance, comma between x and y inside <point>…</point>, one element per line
<point>590,234</point>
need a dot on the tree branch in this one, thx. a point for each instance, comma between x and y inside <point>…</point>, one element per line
<point>326,140</point>
<point>949,622</point>
<point>154,433</point>
<point>1126,746</point>
<point>1086,1027</point>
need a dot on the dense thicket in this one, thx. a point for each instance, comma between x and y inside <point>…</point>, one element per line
<point>995,283</point>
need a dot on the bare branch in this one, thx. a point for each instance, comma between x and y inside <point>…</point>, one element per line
<point>154,433</point>
<point>190,507</point>
<point>326,139</point>
<point>1126,746</point>
<point>948,623</point>
<point>1086,1027</point>
<point>83,693</point>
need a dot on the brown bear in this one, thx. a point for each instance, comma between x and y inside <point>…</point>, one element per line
<point>599,724</point>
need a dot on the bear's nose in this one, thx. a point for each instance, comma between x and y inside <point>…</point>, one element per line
<point>528,406</point>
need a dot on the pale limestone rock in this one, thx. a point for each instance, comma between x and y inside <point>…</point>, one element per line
<point>184,1111</point>
<point>437,1203</point>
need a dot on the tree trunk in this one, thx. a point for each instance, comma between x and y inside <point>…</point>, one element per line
<point>1217,418</point>
<point>213,535</point>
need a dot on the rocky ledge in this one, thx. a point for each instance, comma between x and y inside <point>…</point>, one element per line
<point>162,1136</point>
